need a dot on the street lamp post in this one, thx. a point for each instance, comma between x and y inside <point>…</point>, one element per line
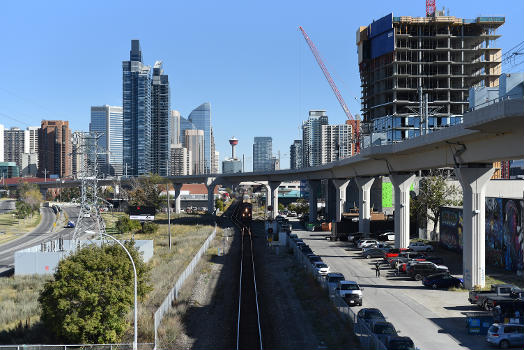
<point>135,343</point>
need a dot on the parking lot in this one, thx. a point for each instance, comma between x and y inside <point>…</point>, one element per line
<point>433,319</point>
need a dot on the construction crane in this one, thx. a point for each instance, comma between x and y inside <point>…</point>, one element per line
<point>355,124</point>
<point>430,8</point>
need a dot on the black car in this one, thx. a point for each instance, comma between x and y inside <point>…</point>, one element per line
<point>368,314</point>
<point>423,268</point>
<point>401,343</point>
<point>374,253</point>
<point>435,259</point>
<point>314,258</point>
<point>442,280</point>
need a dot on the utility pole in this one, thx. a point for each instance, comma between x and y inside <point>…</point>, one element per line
<point>168,216</point>
<point>45,175</point>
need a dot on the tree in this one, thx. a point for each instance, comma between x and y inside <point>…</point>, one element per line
<point>149,228</point>
<point>91,294</point>
<point>70,193</point>
<point>434,193</point>
<point>30,194</point>
<point>281,207</point>
<point>145,191</point>
<point>219,204</point>
<point>124,225</point>
<point>23,209</point>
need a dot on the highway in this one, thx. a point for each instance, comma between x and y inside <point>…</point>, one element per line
<point>40,234</point>
<point>434,319</point>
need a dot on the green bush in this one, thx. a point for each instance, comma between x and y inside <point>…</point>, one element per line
<point>124,225</point>
<point>91,294</point>
<point>149,228</point>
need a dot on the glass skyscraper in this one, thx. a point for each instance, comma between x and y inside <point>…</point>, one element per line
<point>263,154</point>
<point>185,124</point>
<point>160,121</point>
<point>108,121</point>
<point>312,138</point>
<point>136,86</point>
<point>201,119</point>
<point>295,155</point>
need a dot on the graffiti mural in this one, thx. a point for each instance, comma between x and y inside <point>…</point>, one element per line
<point>504,232</point>
<point>451,228</point>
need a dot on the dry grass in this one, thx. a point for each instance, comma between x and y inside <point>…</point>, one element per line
<point>13,228</point>
<point>18,299</point>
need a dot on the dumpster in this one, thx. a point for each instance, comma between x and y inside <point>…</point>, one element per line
<point>478,322</point>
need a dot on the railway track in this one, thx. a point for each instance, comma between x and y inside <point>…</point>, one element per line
<point>249,331</point>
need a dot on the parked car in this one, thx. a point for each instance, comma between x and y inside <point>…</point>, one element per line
<point>420,247</point>
<point>435,259</point>
<point>70,224</point>
<point>383,330</point>
<point>392,253</point>
<point>480,297</point>
<point>386,236</point>
<point>424,268</point>
<point>366,243</point>
<point>442,280</point>
<point>373,253</point>
<point>321,268</point>
<point>515,296</point>
<point>379,245</point>
<point>293,236</point>
<point>314,258</point>
<point>332,280</point>
<point>350,291</point>
<point>400,343</point>
<point>506,335</point>
<point>367,315</point>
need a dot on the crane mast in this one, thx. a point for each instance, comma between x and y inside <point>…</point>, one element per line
<point>352,121</point>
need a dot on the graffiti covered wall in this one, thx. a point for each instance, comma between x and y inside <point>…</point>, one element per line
<point>504,232</point>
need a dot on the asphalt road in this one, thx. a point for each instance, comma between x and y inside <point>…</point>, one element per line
<point>434,319</point>
<point>42,233</point>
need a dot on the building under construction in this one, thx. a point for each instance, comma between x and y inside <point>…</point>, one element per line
<point>403,59</point>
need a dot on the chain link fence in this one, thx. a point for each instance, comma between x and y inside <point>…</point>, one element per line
<point>173,293</point>
<point>367,339</point>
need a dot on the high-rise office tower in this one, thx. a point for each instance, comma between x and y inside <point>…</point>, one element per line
<point>312,138</point>
<point>136,98</point>
<point>79,156</point>
<point>180,161</point>
<point>295,155</point>
<point>404,59</point>
<point>160,121</point>
<point>108,122</point>
<point>194,141</point>
<point>263,153</point>
<point>216,160</point>
<point>201,119</point>
<point>2,129</point>
<point>185,124</point>
<point>175,127</point>
<point>336,142</point>
<point>54,148</point>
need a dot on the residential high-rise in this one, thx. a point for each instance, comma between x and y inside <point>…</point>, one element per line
<point>216,160</point>
<point>180,161</point>
<point>31,139</point>
<point>14,145</point>
<point>336,142</point>
<point>160,121</point>
<point>201,119</point>
<point>136,98</point>
<point>54,148</point>
<point>80,159</point>
<point>312,138</point>
<point>29,166</point>
<point>262,153</point>
<point>194,141</point>
<point>404,59</point>
<point>175,127</point>
<point>295,155</point>
<point>108,121</point>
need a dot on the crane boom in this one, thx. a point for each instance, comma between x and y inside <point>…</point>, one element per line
<point>353,122</point>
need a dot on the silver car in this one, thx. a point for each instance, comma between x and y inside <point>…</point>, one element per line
<point>506,335</point>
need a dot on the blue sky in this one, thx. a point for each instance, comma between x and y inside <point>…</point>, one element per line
<point>246,58</point>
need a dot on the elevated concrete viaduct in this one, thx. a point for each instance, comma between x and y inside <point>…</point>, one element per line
<point>489,134</point>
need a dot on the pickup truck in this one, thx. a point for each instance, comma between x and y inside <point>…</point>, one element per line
<point>514,295</point>
<point>350,291</point>
<point>480,297</point>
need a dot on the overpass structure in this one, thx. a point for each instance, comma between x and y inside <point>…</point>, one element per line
<point>489,134</point>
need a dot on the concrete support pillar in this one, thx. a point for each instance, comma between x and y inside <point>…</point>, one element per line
<point>364,202</point>
<point>314,188</point>
<point>401,186</point>
<point>268,196</point>
<point>340,188</point>
<point>273,190</point>
<point>473,179</point>
<point>177,188</point>
<point>210,184</point>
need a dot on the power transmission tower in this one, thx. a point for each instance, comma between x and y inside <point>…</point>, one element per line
<point>89,219</point>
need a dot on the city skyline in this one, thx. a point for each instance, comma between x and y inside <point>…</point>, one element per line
<point>230,85</point>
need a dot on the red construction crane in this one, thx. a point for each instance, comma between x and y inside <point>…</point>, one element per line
<point>430,8</point>
<point>351,120</point>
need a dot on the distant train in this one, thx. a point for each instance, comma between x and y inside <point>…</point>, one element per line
<point>246,213</point>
